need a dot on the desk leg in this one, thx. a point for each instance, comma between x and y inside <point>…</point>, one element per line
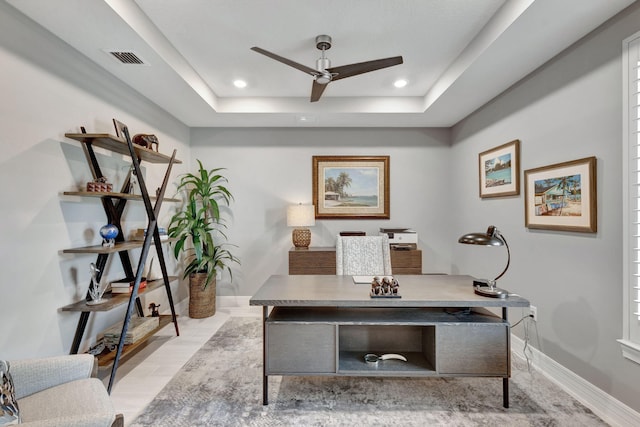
<point>505,381</point>
<point>265,378</point>
<point>505,392</point>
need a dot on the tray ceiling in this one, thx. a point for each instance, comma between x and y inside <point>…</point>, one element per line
<point>458,54</point>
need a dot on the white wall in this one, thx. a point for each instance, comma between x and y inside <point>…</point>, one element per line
<point>48,90</point>
<point>269,169</point>
<point>569,109</point>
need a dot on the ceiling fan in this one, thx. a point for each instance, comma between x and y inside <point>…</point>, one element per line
<point>324,73</point>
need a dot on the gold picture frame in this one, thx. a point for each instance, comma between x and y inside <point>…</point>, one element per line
<point>351,187</point>
<point>562,196</point>
<point>499,170</point>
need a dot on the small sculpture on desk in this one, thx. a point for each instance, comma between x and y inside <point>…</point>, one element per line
<point>387,287</point>
<point>95,290</point>
<point>376,286</point>
<point>154,309</point>
<point>109,233</point>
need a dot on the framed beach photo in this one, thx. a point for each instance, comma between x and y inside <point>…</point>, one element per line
<point>562,196</point>
<point>499,170</point>
<point>351,187</point>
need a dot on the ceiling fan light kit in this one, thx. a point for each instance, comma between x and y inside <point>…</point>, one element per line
<point>324,73</point>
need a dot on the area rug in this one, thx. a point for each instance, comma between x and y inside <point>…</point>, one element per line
<point>221,385</point>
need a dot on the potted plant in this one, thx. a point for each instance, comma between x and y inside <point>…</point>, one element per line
<point>198,228</point>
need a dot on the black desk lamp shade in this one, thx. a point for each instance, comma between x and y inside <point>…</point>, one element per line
<point>492,237</point>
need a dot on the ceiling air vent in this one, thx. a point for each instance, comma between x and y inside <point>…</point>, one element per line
<point>127,57</point>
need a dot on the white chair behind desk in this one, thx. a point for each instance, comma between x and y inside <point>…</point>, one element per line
<point>363,256</point>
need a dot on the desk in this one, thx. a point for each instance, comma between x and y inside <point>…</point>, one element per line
<point>324,325</point>
<point>322,260</point>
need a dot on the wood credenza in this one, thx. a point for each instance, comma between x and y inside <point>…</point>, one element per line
<point>322,260</point>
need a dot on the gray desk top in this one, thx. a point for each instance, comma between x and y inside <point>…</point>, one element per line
<point>341,291</point>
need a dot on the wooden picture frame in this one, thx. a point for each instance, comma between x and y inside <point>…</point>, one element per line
<point>562,196</point>
<point>499,170</point>
<point>119,128</point>
<point>351,187</point>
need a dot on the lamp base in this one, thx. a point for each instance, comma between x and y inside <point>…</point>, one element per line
<point>490,291</point>
<point>301,238</point>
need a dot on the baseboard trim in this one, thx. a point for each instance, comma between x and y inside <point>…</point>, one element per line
<point>602,404</point>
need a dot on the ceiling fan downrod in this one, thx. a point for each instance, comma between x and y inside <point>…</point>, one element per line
<point>323,43</point>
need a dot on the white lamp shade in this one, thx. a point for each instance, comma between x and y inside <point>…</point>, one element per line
<point>301,216</point>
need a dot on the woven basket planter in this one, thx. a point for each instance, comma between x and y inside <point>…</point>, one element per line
<point>202,302</point>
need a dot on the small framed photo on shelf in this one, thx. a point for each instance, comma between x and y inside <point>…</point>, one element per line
<point>562,196</point>
<point>351,187</point>
<point>119,128</point>
<point>499,170</point>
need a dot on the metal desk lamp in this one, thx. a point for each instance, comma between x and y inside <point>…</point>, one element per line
<point>492,237</point>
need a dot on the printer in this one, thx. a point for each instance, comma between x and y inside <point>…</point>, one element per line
<point>401,237</point>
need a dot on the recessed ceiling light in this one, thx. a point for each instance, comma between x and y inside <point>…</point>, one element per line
<point>306,119</point>
<point>400,83</point>
<point>240,84</point>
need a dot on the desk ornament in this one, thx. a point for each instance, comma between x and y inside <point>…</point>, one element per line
<point>95,290</point>
<point>387,287</point>
<point>373,359</point>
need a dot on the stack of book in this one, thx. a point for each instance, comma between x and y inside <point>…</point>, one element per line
<point>141,233</point>
<point>138,328</point>
<point>125,286</point>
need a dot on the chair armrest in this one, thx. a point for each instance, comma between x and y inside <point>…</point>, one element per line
<point>34,375</point>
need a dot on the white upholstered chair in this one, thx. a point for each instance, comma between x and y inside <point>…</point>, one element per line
<point>62,391</point>
<point>363,256</point>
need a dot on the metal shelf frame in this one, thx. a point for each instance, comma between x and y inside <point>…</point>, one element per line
<point>114,208</point>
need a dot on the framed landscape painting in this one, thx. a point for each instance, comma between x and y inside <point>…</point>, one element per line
<point>562,196</point>
<point>499,170</point>
<point>351,187</point>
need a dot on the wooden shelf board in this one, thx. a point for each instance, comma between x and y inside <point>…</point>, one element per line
<point>119,145</point>
<point>114,195</point>
<point>106,360</point>
<point>114,300</point>
<point>118,247</point>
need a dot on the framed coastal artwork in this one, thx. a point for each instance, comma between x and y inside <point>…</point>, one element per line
<point>562,196</point>
<point>351,187</point>
<point>499,170</point>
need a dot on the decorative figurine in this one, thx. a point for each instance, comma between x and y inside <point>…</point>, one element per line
<point>133,180</point>
<point>95,291</point>
<point>154,309</point>
<point>388,287</point>
<point>395,286</point>
<point>376,287</point>
<point>109,233</point>
<point>99,185</point>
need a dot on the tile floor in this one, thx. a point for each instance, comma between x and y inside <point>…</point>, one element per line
<point>144,374</point>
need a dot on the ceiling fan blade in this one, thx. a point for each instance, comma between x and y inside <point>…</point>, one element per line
<point>344,71</point>
<point>289,62</point>
<point>316,90</point>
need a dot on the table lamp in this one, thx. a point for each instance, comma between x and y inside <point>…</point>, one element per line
<point>301,216</point>
<point>492,237</point>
